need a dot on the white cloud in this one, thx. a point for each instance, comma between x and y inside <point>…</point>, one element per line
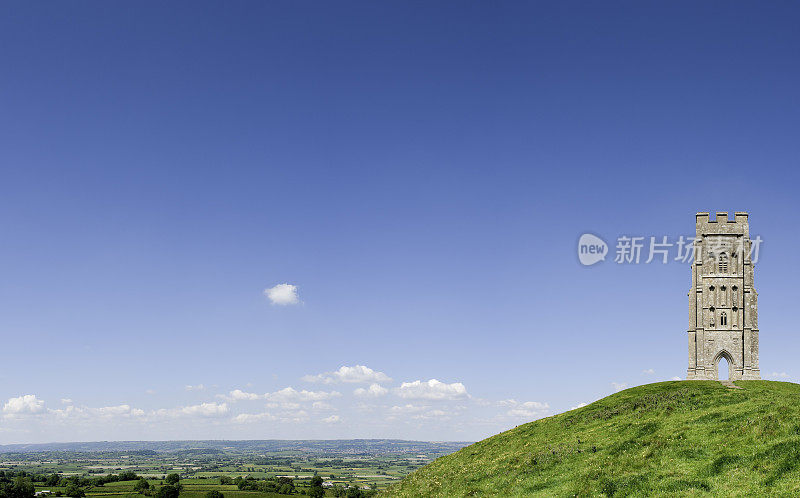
<point>239,395</point>
<point>282,294</point>
<point>66,401</point>
<point>649,371</point>
<point>103,412</point>
<point>579,405</point>
<point>111,411</point>
<point>409,408</point>
<point>206,409</point>
<point>249,418</point>
<point>619,386</point>
<point>333,419</point>
<point>285,405</point>
<point>25,404</point>
<point>373,391</point>
<point>400,413</point>
<point>675,378</point>
<point>781,375</point>
<point>294,417</point>
<point>69,411</point>
<point>432,389</point>
<point>432,414</point>
<point>292,394</point>
<point>357,374</point>
<point>525,408</point>
<point>198,387</point>
<point>287,398</point>
<point>202,410</point>
<point>321,405</point>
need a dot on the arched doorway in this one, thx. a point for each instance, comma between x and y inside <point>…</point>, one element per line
<point>723,364</point>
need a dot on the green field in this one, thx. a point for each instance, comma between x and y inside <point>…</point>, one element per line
<point>672,438</point>
<point>342,464</point>
<point>124,489</point>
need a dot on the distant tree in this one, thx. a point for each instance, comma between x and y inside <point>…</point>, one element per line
<point>225,480</point>
<point>172,479</point>
<point>168,491</point>
<point>141,486</point>
<point>128,475</point>
<point>74,491</point>
<point>214,494</point>
<point>21,487</point>
<point>316,490</point>
<point>338,491</point>
<point>52,480</point>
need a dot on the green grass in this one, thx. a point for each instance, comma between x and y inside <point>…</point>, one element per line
<point>686,438</point>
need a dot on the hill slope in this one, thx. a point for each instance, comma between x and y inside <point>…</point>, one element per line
<point>694,438</point>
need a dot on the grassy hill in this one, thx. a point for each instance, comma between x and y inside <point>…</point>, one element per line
<point>689,438</point>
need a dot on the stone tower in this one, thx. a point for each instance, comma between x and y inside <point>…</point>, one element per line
<point>723,304</point>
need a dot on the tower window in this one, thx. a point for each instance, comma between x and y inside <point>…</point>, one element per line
<point>711,288</point>
<point>723,318</point>
<point>722,265</point>
<point>722,288</point>
<point>711,309</point>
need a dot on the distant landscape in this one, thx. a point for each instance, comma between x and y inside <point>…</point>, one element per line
<point>244,469</point>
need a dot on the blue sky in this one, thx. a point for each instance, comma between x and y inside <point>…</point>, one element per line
<point>420,171</point>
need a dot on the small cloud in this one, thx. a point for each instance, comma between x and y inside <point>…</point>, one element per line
<point>373,391</point>
<point>27,403</point>
<point>409,408</point>
<point>292,394</point>
<point>333,419</point>
<point>780,375</point>
<point>150,391</point>
<point>675,378</point>
<point>249,418</point>
<point>525,409</point>
<point>579,405</point>
<point>619,386</point>
<point>282,294</point>
<point>201,410</point>
<point>322,405</point>
<point>239,395</point>
<point>432,389</point>
<point>355,374</point>
<point>431,414</point>
<point>198,387</point>
<point>649,371</point>
<point>284,405</point>
<point>206,409</point>
<point>294,417</point>
<point>104,413</point>
<point>66,401</point>
<point>287,397</point>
